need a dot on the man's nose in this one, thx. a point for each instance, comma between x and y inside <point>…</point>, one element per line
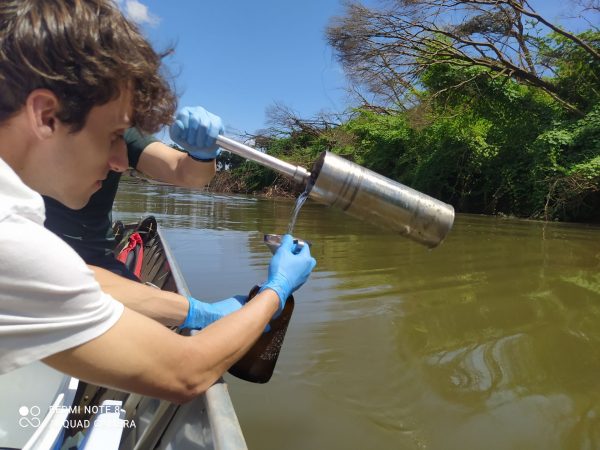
<point>118,161</point>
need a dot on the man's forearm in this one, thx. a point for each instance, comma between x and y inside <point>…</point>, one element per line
<point>140,356</point>
<point>163,163</point>
<point>165,307</point>
<point>195,174</point>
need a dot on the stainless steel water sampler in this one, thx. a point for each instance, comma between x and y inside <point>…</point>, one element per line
<point>362,193</point>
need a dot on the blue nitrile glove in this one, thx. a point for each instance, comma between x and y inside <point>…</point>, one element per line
<point>289,269</point>
<point>202,314</point>
<point>195,129</point>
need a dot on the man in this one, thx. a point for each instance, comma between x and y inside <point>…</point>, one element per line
<point>89,232</point>
<point>74,75</point>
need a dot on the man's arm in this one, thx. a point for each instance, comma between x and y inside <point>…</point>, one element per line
<point>195,130</point>
<point>167,308</point>
<point>164,163</point>
<point>139,355</point>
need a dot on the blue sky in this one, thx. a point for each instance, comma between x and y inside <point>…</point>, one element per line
<point>236,58</point>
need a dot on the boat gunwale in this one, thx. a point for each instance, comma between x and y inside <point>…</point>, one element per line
<point>225,427</point>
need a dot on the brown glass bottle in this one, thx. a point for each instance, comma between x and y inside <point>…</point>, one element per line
<point>258,364</point>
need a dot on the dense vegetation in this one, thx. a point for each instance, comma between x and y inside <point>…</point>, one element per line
<point>486,139</point>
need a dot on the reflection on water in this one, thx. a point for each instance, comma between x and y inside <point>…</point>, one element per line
<point>490,341</point>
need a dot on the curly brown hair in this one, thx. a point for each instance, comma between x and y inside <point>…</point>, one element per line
<point>84,51</point>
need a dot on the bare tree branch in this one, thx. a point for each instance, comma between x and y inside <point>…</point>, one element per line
<point>387,50</point>
<point>284,121</point>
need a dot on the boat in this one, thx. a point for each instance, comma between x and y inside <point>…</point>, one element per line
<point>43,409</point>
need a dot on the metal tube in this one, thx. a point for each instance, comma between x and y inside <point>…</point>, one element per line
<point>297,173</point>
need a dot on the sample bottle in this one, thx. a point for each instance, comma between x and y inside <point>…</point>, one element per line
<point>258,364</point>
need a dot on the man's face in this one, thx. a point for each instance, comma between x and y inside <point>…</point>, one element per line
<point>82,160</point>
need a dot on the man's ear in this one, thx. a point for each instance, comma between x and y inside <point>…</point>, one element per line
<point>42,106</point>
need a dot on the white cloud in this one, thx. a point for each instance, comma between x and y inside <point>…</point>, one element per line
<point>138,12</point>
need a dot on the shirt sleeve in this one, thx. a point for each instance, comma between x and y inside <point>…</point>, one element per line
<point>136,143</point>
<point>49,299</point>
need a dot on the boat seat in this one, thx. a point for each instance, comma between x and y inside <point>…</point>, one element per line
<point>50,433</point>
<point>107,427</point>
<point>33,399</point>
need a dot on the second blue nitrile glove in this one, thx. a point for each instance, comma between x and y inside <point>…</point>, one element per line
<point>196,130</point>
<point>289,269</point>
<point>202,314</point>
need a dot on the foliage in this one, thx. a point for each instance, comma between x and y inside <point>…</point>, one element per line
<point>577,72</point>
<point>496,148</point>
<point>568,166</point>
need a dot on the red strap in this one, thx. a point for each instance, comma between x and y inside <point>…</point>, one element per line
<point>134,249</point>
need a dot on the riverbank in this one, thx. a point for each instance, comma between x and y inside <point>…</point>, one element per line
<point>229,182</point>
<point>525,161</point>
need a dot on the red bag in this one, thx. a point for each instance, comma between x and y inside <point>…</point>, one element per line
<point>132,255</point>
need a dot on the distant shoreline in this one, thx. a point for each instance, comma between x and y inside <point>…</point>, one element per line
<point>227,183</point>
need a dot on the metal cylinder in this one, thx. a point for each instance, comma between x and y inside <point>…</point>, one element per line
<point>369,196</point>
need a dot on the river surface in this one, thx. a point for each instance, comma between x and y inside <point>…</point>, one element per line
<point>490,341</point>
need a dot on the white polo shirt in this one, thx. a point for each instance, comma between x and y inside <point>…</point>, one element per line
<point>49,299</point>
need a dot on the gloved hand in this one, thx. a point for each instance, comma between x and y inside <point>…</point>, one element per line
<point>202,314</point>
<point>195,129</point>
<point>289,269</point>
